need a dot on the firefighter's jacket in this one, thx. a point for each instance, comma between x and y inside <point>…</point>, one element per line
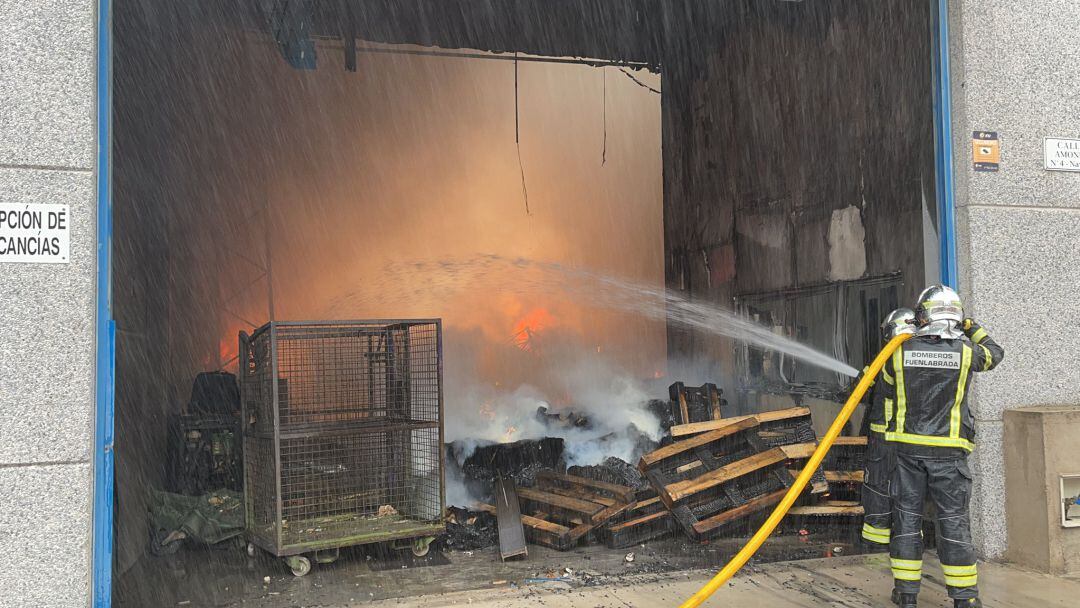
<point>875,420</point>
<point>928,379</point>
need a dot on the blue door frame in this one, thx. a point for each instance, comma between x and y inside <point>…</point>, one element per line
<point>943,148</point>
<point>106,327</point>
<point>105,363</point>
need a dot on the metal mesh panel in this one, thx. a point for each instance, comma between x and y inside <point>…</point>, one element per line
<point>425,363</point>
<point>346,474</point>
<point>424,491</point>
<point>261,490</point>
<point>333,375</point>
<point>359,373</point>
<point>256,396</point>
<point>358,426</point>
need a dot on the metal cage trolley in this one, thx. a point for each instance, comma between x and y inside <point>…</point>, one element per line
<point>343,432</point>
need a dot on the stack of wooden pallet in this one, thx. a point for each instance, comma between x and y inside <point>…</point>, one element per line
<point>561,510</point>
<point>718,472</point>
<point>715,473</point>
<point>843,469</point>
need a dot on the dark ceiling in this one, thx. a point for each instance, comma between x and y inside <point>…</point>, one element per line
<point>629,31</point>
<point>674,34</point>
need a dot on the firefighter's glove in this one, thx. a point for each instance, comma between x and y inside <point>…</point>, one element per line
<point>974,331</point>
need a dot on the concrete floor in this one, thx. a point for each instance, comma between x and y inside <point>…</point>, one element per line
<point>226,577</point>
<point>849,582</point>
<point>663,573</point>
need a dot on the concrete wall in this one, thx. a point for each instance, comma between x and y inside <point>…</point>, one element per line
<point>1043,439</point>
<point>1015,71</point>
<point>47,132</point>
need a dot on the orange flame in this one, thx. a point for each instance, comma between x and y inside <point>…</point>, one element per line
<point>228,347</point>
<point>526,329</point>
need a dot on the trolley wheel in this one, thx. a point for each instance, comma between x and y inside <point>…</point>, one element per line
<point>421,546</point>
<point>299,565</point>
<point>327,557</point>
<point>252,550</point>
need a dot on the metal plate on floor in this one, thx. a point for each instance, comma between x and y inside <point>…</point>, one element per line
<point>508,512</point>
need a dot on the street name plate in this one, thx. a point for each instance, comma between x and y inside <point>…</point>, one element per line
<point>1062,154</point>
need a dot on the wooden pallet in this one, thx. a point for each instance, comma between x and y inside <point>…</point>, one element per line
<point>559,517</point>
<point>839,483</point>
<point>828,508</point>
<point>798,454</point>
<point>604,493</point>
<point>802,451</point>
<point>703,528</point>
<point>778,428</point>
<point>680,490</point>
<point>843,474</point>
<point>717,477</point>
<point>705,514</point>
<point>847,454</point>
<point>646,520</point>
<point>844,466</point>
<point>685,430</point>
<point>690,404</point>
<point>705,461</point>
<point>540,531</point>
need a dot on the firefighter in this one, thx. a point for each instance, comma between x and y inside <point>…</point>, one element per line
<point>933,432</point>
<point>876,501</point>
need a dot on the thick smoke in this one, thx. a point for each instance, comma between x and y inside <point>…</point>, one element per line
<point>577,380</point>
<point>586,383</point>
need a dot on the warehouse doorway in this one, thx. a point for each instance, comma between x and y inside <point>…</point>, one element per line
<point>416,182</point>
<point>265,170</point>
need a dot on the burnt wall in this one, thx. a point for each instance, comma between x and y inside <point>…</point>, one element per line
<point>798,150</point>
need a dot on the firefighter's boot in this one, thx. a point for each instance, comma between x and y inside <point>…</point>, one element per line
<point>905,600</point>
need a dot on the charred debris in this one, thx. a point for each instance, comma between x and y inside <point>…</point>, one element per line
<point>711,476</point>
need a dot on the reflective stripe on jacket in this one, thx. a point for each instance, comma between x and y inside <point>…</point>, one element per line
<point>931,376</point>
<point>880,409</point>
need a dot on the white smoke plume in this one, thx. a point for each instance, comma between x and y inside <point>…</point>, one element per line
<point>587,384</point>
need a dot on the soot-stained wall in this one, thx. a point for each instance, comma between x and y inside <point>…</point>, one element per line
<point>798,150</point>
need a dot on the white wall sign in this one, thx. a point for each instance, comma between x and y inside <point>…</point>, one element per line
<point>1062,154</point>
<point>35,233</point>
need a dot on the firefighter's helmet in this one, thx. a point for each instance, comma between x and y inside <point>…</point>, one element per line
<point>899,321</point>
<point>938,303</point>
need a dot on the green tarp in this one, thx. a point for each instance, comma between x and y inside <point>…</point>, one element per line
<point>210,518</point>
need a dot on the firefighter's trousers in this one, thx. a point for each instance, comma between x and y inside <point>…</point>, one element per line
<point>947,481</point>
<point>876,499</point>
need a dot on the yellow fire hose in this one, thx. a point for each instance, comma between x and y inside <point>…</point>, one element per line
<point>796,489</point>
